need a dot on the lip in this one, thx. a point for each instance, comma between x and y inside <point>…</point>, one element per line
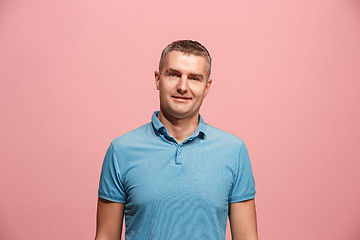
<point>181,98</point>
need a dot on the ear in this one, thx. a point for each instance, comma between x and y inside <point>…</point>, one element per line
<point>157,79</point>
<point>207,87</point>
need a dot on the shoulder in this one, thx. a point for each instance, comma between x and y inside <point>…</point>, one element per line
<point>136,136</point>
<point>215,134</point>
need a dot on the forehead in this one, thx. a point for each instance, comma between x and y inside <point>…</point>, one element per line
<point>185,62</point>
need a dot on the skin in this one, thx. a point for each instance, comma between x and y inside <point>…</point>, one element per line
<point>242,218</point>
<point>109,220</point>
<point>183,84</point>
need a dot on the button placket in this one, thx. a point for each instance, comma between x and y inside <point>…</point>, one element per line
<point>179,148</point>
<point>178,155</point>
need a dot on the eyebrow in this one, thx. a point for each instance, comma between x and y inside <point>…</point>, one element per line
<point>172,70</point>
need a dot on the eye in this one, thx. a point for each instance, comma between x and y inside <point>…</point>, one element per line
<point>173,74</point>
<point>195,78</point>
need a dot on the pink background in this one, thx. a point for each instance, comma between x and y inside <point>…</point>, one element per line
<point>75,74</point>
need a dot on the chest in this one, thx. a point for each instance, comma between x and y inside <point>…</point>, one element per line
<point>179,175</point>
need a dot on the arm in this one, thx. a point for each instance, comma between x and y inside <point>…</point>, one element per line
<point>242,217</point>
<point>109,220</point>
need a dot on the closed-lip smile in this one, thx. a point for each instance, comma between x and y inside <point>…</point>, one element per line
<point>181,97</point>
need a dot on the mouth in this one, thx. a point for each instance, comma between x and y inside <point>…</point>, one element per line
<point>181,98</point>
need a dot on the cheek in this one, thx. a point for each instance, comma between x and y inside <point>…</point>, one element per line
<point>197,89</point>
<point>164,92</point>
<point>167,87</point>
<point>164,89</point>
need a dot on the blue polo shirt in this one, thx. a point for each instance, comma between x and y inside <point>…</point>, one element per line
<point>176,191</point>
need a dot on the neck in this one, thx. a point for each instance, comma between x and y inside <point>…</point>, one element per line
<point>180,129</point>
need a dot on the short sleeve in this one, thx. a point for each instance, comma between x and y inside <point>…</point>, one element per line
<point>111,187</point>
<point>243,187</point>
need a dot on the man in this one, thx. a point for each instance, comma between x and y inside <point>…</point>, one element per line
<point>177,177</point>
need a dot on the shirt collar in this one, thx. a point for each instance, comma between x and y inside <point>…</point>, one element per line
<point>160,128</point>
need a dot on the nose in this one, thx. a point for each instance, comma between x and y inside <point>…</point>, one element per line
<point>182,86</point>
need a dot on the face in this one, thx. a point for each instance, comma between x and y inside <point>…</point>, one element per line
<point>182,84</point>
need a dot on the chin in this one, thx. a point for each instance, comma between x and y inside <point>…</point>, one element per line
<point>184,115</point>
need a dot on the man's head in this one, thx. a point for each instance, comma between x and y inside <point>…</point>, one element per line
<point>187,47</point>
<point>183,79</point>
